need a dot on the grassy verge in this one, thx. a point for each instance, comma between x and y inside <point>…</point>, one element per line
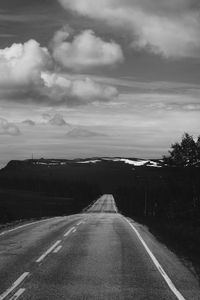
<point>16,206</point>
<point>180,236</point>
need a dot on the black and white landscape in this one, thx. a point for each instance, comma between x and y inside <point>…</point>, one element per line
<point>99,149</point>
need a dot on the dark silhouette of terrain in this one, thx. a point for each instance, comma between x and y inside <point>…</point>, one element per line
<point>165,198</point>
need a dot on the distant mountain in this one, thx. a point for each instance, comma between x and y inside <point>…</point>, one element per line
<point>132,162</point>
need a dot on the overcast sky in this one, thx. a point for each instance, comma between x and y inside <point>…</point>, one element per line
<point>82,78</point>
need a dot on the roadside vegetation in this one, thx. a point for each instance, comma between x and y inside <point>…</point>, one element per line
<point>168,200</point>
<point>184,154</point>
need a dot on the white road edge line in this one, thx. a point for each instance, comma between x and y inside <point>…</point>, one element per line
<point>25,225</point>
<point>14,285</point>
<point>172,287</point>
<point>17,294</point>
<point>48,251</point>
<point>57,249</point>
<point>69,231</point>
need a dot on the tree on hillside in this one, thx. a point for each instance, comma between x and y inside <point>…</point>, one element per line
<point>198,148</point>
<point>185,153</point>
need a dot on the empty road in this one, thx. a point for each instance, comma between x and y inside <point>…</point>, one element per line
<point>98,254</point>
<point>106,203</point>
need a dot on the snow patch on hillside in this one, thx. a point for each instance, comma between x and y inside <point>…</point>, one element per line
<point>94,161</point>
<point>136,163</point>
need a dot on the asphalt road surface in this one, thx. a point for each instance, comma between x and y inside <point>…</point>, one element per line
<point>105,203</point>
<point>95,255</point>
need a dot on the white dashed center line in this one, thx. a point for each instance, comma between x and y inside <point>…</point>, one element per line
<point>79,223</point>
<point>17,294</point>
<point>14,285</point>
<point>47,252</point>
<point>57,249</point>
<point>69,231</point>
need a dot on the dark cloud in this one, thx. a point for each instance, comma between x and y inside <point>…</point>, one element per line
<point>36,19</point>
<point>169,28</point>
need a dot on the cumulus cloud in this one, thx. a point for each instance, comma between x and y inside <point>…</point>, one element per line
<point>21,64</point>
<point>86,50</point>
<point>27,74</point>
<point>170,28</point>
<point>29,122</point>
<point>58,120</point>
<point>7,128</point>
<point>76,91</point>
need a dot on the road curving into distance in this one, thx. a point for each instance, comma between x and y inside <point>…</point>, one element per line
<point>98,254</point>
